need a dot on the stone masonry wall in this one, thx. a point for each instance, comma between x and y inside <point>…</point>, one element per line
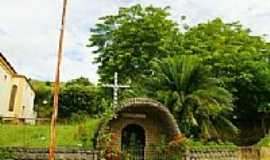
<point>239,153</point>
<point>19,153</point>
<point>242,153</point>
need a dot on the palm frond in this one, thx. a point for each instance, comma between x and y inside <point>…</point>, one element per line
<point>196,98</point>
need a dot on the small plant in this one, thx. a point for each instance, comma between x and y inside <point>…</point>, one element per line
<point>108,146</point>
<point>79,117</point>
<point>82,135</point>
<point>5,155</point>
<point>265,142</point>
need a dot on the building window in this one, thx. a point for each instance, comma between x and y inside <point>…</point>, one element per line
<point>12,98</point>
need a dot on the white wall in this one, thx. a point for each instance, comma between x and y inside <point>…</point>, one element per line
<point>5,89</point>
<point>28,101</point>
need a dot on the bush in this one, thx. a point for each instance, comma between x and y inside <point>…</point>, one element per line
<point>265,142</point>
<point>85,132</point>
<point>5,155</point>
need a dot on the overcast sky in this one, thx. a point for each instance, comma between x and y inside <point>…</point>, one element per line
<point>29,29</point>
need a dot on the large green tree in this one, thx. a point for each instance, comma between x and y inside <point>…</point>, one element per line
<point>200,105</point>
<point>128,41</point>
<point>240,59</point>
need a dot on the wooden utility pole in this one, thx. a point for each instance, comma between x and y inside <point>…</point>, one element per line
<point>57,87</point>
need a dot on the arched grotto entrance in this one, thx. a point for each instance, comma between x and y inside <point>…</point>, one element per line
<point>141,123</point>
<point>133,141</point>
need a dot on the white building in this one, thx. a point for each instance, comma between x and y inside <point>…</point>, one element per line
<point>16,95</point>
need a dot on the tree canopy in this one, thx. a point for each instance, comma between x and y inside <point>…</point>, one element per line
<point>128,41</point>
<point>79,97</point>
<point>43,97</point>
<point>233,61</point>
<point>238,58</point>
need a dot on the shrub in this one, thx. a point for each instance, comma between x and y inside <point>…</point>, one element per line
<point>265,142</point>
<point>5,155</point>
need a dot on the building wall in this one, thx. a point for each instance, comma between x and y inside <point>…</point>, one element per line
<point>5,89</point>
<point>24,100</point>
<point>24,103</point>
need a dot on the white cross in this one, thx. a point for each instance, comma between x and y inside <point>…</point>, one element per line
<point>115,87</point>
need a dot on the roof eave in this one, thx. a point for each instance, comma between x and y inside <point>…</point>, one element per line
<point>8,64</point>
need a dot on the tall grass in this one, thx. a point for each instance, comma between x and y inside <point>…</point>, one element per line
<point>264,142</point>
<point>68,135</point>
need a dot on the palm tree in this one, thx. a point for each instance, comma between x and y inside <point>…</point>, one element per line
<point>199,103</point>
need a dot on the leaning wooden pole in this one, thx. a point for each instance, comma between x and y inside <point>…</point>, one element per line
<point>57,87</point>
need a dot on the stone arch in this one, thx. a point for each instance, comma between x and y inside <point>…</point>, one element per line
<point>151,115</point>
<point>132,124</point>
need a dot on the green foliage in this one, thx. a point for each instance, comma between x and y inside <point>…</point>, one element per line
<point>78,117</point>
<point>84,135</point>
<point>5,155</point>
<point>128,41</point>
<point>161,146</point>
<point>77,99</point>
<point>105,143</point>
<point>264,142</point>
<point>80,99</point>
<point>232,59</point>
<point>43,97</point>
<point>200,105</point>
<point>238,58</point>
<point>38,135</point>
<point>82,81</point>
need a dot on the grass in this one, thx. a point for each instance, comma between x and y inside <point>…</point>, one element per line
<point>68,135</point>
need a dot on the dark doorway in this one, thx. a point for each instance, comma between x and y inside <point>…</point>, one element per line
<point>133,142</point>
